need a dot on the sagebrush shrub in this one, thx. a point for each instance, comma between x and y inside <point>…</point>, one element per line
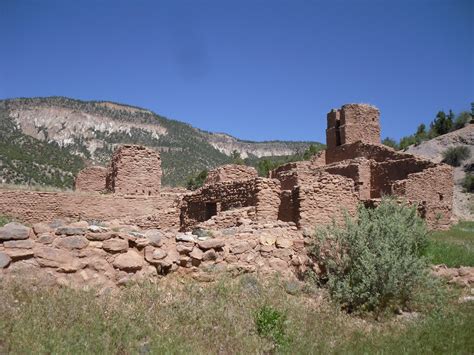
<point>374,262</point>
<point>468,183</point>
<point>456,155</point>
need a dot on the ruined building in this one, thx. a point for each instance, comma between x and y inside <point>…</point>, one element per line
<point>354,169</point>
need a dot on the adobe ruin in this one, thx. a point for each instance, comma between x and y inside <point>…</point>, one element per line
<point>130,228</point>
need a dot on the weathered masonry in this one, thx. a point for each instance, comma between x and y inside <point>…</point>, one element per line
<point>354,169</point>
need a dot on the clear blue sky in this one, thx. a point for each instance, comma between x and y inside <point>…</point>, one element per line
<point>255,69</point>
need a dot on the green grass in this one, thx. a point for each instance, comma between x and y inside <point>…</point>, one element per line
<point>242,315</point>
<point>4,220</point>
<point>453,248</point>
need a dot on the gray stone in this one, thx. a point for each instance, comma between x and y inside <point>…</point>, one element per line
<point>61,259</point>
<point>155,237</point>
<point>97,229</point>
<point>71,231</point>
<point>240,248</point>
<point>115,245</point>
<point>184,248</point>
<point>5,260</point>
<point>18,253</point>
<point>71,242</point>
<point>20,244</point>
<point>196,254</point>
<point>211,244</point>
<point>99,237</point>
<point>14,231</point>
<point>46,238</point>
<point>40,228</point>
<point>182,237</point>
<point>209,255</point>
<point>129,261</point>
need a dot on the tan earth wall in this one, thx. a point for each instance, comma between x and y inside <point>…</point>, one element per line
<point>230,172</point>
<point>359,122</point>
<point>91,179</point>
<point>433,188</point>
<point>358,170</point>
<point>33,206</point>
<point>352,123</point>
<point>325,199</point>
<point>384,174</point>
<point>377,152</point>
<point>135,170</point>
<point>267,199</point>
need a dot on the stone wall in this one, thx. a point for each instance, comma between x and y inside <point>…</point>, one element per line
<point>433,188</point>
<point>384,174</point>
<point>91,256</point>
<point>91,179</point>
<point>377,152</point>
<point>210,200</point>
<point>230,172</point>
<point>323,199</point>
<point>135,170</point>
<point>34,206</point>
<point>358,170</point>
<point>352,123</point>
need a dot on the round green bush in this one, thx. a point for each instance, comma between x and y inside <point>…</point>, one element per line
<point>374,262</point>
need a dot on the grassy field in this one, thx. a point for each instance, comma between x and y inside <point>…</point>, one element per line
<point>454,247</point>
<point>243,315</point>
<point>246,314</point>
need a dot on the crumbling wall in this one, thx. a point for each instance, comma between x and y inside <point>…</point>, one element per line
<point>230,172</point>
<point>35,206</point>
<point>433,188</point>
<point>377,152</point>
<point>81,255</point>
<point>352,123</point>
<point>290,174</point>
<point>358,170</point>
<point>267,199</point>
<point>91,179</point>
<point>384,174</point>
<point>135,170</point>
<point>319,159</point>
<point>210,200</point>
<point>325,198</point>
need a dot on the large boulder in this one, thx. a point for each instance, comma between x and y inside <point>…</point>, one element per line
<point>14,231</point>
<point>55,258</point>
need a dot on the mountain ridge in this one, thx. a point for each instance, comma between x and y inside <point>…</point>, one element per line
<point>92,129</point>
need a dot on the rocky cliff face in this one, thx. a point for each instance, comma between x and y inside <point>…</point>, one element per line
<point>92,130</point>
<point>433,150</point>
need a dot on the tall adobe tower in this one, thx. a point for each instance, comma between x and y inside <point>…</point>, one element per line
<point>352,123</point>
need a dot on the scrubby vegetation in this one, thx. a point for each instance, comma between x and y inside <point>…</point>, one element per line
<point>454,156</point>
<point>242,315</point>
<point>468,183</point>
<point>29,161</point>
<point>374,263</point>
<point>195,182</point>
<point>443,123</point>
<point>4,220</point>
